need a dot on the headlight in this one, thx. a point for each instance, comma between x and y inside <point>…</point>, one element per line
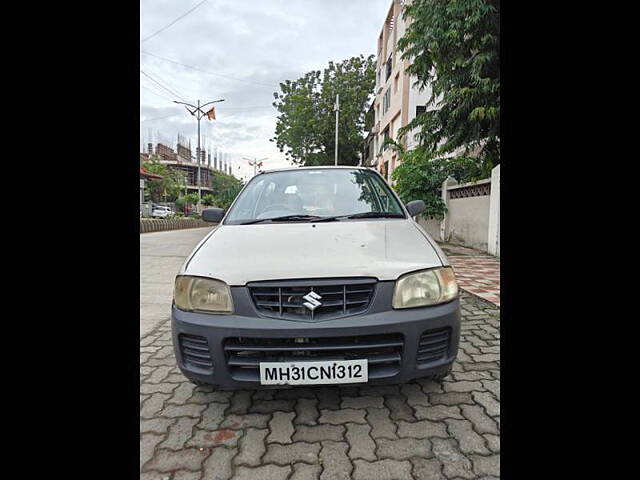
<point>202,294</point>
<point>428,287</point>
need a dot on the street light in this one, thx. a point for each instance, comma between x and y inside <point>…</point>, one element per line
<point>337,109</point>
<point>198,113</point>
<point>254,162</point>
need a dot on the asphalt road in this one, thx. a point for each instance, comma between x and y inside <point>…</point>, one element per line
<point>161,256</point>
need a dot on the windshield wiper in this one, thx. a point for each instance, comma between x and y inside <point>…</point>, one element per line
<point>376,215</point>
<point>317,218</point>
<point>361,215</point>
<point>284,218</point>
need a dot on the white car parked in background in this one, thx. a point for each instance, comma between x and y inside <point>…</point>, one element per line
<point>160,211</point>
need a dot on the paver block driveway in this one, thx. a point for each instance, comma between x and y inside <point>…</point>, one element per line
<point>479,275</point>
<point>417,430</point>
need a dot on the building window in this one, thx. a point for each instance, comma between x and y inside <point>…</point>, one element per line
<point>388,73</point>
<point>420,109</point>
<point>396,81</point>
<point>385,137</point>
<point>386,101</point>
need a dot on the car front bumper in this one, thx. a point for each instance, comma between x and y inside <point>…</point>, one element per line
<point>406,326</point>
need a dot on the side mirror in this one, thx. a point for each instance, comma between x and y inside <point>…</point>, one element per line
<point>214,215</point>
<point>416,207</point>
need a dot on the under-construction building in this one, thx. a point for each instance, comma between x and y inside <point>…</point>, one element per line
<point>183,160</point>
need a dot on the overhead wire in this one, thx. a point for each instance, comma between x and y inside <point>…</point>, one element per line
<point>172,22</point>
<point>161,85</point>
<point>209,73</point>
<point>155,93</point>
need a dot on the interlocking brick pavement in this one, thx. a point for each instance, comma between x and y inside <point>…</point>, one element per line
<point>418,430</point>
<point>479,275</point>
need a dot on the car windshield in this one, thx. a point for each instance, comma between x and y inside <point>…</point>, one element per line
<point>314,194</point>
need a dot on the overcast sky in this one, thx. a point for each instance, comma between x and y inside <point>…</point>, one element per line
<point>240,50</point>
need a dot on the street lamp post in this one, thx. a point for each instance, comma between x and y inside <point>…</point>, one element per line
<point>254,162</point>
<point>198,113</point>
<point>337,107</point>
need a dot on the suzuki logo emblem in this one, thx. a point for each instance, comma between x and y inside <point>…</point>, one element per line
<point>312,300</point>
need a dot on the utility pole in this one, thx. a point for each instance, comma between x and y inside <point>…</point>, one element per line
<point>254,162</point>
<point>337,114</point>
<point>198,113</point>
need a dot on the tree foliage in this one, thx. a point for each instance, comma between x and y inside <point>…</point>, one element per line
<point>190,199</point>
<point>225,189</point>
<point>454,46</point>
<point>421,174</point>
<point>305,127</point>
<point>208,200</point>
<point>169,187</point>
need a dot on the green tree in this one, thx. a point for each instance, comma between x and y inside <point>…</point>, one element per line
<point>187,200</point>
<point>454,46</point>
<point>225,188</point>
<point>305,127</point>
<point>208,199</point>
<point>170,186</point>
<point>421,174</point>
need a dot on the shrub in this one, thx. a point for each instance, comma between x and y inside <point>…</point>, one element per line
<point>420,177</point>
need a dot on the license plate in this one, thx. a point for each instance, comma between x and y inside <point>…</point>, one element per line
<point>313,373</point>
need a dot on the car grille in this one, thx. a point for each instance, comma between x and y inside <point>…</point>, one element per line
<point>434,345</point>
<point>383,352</point>
<point>338,298</point>
<point>195,352</point>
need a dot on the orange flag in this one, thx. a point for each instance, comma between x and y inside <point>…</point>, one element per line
<point>211,114</point>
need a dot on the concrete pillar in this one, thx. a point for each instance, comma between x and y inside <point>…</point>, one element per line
<point>494,213</point>
<point>444,224</point>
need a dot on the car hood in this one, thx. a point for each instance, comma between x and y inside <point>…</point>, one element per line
<point>384,249</point>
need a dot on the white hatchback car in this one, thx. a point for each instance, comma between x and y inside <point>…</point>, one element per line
<point>160,211</point>
<point>315,275</point>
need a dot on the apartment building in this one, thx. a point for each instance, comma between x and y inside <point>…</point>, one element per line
<point>397,101</point>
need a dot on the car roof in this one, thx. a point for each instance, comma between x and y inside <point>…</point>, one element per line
<point>324,167</point>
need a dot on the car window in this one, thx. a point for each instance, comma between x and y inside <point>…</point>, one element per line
<point>387,202</point>
<point>320,192</point>
<point>251,197</point>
